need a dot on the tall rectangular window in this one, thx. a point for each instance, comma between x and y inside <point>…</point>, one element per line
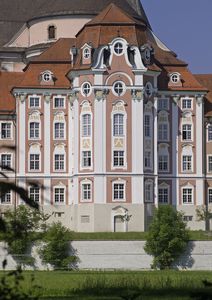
<point>118,191</point>
<point>147,126</point>
<point>209,163</point>
<point>86,125</point>
<point>34,163</point>
<point>187,163</point>
<point>59,130</point>
<point>34,194</point>
<point>163,132</point>
<point>163,195</point>
<point>187,131</point>
<point>6,130</point>
<point>6,161</point>
<point>34,102</point>
<point>210,133</point>
<point>86,191</point>
<point>59,162</point>
<point>187,196</point>
<point>34,132</point>
<point>6,198</point>
<point>163,104</point>
<point>118,158</point>
<point>86,159</point>
<point>118,125</point>
<point>163,162</point>
<point>59,195</point>
<point>147,159</point>
<point>210,195</point>
<point>186,103</point>
<point>148,192</point>
<point>59,102</point>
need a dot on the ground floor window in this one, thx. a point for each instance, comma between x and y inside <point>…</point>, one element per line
<point>118,192</point>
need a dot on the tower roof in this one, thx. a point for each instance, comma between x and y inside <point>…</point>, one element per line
<point>14,14</point>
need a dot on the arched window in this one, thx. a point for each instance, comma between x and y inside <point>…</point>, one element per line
<point>86,125</point>
<point>51,32</point>
<point>118,125</point>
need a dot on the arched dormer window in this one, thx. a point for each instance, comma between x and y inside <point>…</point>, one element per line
<point>51,32</point>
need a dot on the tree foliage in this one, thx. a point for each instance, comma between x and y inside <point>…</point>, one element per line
<point>203,213</point>
<point>167,237</point>
<point>56,248</point>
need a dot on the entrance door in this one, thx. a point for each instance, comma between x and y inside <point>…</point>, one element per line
<point>119,224</point>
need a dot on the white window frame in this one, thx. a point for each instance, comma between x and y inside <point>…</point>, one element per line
<point>149,115</point>
<point>64,131</point>
<point>118,133</point>
<point>84,183</point>
<point>88,125</point>
<point>64,189</point>
<point>123,87</point>
<point>161,102</point>
<point>148,184</point>
<point>11,161</point>
<point>209,191</point>
<point>148,159</point>
<point>186,188</point>
<point>34,196</point>
<point>84,159</point>
<point>34,170</point>
<point>83,91</point>
<point>5,195</point>
<point>208,163</point>
<point>49,76</point>
<point>163,162</point>
<point>182,138</point>
<point>175,75</point>
<point>187,170</point>
<point>122,48</point>
<point>119,182</point>
<point>29,101</point>
<point>39,130</point>
<point>186,108</point>
<point>208,133</point>
<point>119,158</point>
<point>163,187</point>
<point>161,131</point>
<point>64,102</point>
<point>86,53</point>
<point>64,162</point>
<point>11,130</point>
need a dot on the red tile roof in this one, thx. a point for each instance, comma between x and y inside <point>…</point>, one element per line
<point>206,81</point>
<point>7,81</point>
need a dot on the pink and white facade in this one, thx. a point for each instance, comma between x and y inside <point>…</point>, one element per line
<point>111,126</point>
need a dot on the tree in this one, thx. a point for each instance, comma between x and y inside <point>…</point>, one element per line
<point>23,226</point>
<point>204,214</point>
<point>167,237</point>
<point>56,249</point>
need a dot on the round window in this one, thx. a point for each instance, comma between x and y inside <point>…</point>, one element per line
<point>147,54</point>
<point>175,78</point>
<point>47,77</point>
<point>86,88</point>
<point>119,88</point>
<point>148,89</point>
<point>86,53</point>
<point>118,48</point>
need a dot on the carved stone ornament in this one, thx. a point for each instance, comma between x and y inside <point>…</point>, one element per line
<point>199,99</point>
<point>47,97</point>
<point>137,95</point>
<point>176,99</point>
<point>100,94</point>
<point>73,96</point>
<point>22,97</point>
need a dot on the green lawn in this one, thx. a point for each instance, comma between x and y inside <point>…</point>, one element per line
<point>117,285</point>
<point>194,235</point>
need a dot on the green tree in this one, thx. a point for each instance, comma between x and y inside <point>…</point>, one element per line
<point>167,237</point>
<point>204,214</point>
<point>56,249</point>
<point>22,228</point>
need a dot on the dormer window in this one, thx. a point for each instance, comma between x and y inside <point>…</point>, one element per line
<point>86,53</point>
<point>175,77</point>
<point>147,54</point>
<point>51,32</point>
<point>118,48</point>
<point>47,76</point>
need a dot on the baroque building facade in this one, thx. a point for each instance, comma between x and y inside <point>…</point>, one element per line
<point>104,118</point>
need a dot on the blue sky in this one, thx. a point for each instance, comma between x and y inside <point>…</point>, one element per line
<point>185,26</point>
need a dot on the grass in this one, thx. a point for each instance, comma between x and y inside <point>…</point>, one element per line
<point>126,236</point>
<point>118,285</point>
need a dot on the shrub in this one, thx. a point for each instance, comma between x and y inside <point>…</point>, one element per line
<point>56,249</point>
<point>167,237</point>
